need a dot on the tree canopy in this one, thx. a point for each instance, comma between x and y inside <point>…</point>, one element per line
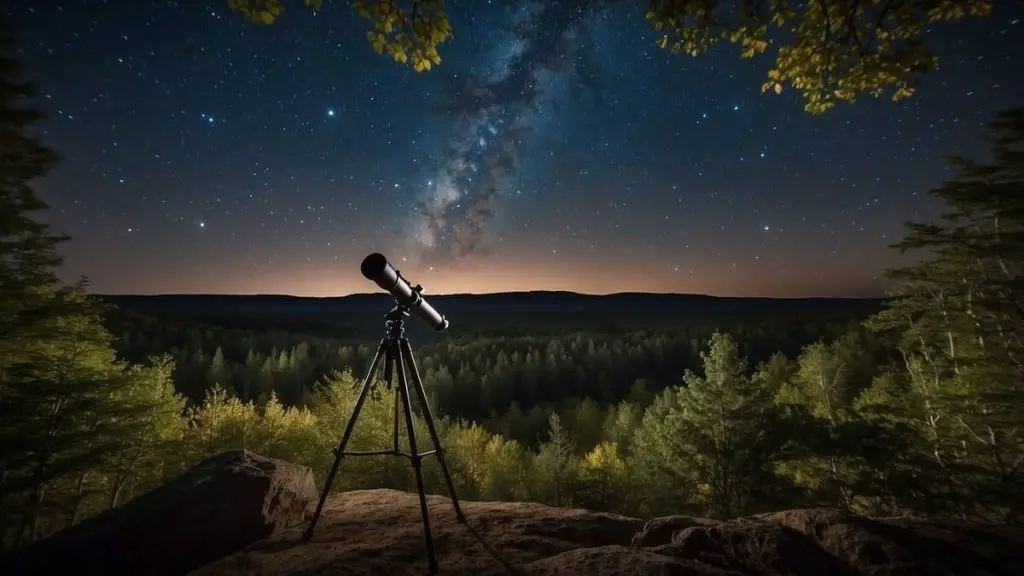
<point>829,50</point>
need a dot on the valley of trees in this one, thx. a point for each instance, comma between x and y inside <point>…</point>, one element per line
<point>915,409</point>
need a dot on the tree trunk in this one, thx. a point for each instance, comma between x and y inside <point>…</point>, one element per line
<point>30,521</point>
<point>115,494</point>
<point>79,497</point>
<point>3,482</point>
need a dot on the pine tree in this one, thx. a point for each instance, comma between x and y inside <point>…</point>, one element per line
<point>217,372</point>
<point>959,315</point>
<point>605,479</point>
<point>620,425</point>
<point>28,249</point>
<point>900,476</point>
<point>585,425</point>
<point>556,466</point>
<point>221,423</point>
<point>284,432</point>
<point>57,366</point>
<point>151,426</point>
<point>466,451</point>
<point>714,438</point>
<point>505,467</point>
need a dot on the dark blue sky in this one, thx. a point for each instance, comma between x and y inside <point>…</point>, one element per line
<point>207,154</point>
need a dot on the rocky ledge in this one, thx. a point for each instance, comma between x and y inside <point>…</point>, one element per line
<point>241,513</point>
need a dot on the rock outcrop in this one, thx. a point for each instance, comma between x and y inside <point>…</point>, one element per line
<point>241,513</point>
<point>217,508</point>
<point>380,532</point>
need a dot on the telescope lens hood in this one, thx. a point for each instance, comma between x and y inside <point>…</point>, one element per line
<point>373,266</point>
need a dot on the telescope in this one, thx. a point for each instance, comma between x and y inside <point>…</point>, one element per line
<point>377,269</point>
<point>395,353</point>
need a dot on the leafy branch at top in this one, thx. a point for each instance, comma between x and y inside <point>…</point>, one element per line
<point>829,50</point>
<point>411,35</point>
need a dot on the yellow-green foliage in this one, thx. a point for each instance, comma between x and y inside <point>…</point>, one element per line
<point>829,50</point>
<point>408,35</point>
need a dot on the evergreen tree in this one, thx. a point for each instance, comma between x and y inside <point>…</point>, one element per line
<point>715,436</point>
<point>221,423</point>
<point>555,466</point>
<point>285,432</point>
<point>959,315</point>
<point>28,249</point>
<point>506,466</point>
<point>586,424</point>
<point>152,427</point>
<point>605,479</point>
<point>899,475</point>
<point>217,373</point>
<point>59,402</point>
<point>620,425</point>
<point>57,366</point>
<point>776,372</point>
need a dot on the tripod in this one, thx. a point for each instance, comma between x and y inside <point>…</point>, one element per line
<point>396,352</point>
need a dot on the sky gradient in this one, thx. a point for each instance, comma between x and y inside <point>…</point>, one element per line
<point>205,154</point>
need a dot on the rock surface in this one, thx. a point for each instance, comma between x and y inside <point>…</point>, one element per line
<point>380,532</point>
<point>240,513</point>
<point>217,508</point>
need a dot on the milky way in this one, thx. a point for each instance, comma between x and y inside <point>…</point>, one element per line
<point>544,54</point>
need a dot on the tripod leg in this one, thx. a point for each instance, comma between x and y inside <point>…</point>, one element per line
<point>403,384</point>
<point>417,383</point>
<point>390,359</point>
<point>394,431</point>
<point>339,452</point>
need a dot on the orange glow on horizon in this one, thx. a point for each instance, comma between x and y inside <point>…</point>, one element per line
<point>500,275</point>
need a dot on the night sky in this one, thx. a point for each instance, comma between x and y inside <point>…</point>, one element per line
<point>205,154</point>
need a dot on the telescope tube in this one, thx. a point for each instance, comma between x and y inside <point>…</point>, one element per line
<point>377,269</point>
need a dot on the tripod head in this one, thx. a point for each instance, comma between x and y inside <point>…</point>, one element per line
<point>395,321</point>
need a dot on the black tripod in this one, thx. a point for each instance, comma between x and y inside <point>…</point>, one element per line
<point>394,348</point>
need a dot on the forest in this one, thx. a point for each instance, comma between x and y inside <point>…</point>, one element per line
<point>911,405</point>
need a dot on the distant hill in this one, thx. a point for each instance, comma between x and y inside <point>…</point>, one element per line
<point>449,303</point>
<point>500,313</point>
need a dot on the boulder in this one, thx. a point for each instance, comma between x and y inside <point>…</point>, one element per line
<point>659,531</point>
<point>213,510</point>
<point>822,541</point>
<point>752,546</point>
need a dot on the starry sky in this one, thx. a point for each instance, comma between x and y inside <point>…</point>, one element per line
<point>552,150</point>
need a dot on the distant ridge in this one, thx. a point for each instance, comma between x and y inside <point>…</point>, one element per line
<point>513,304</point>
<point>499,295</point>
<point>524,313</point>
